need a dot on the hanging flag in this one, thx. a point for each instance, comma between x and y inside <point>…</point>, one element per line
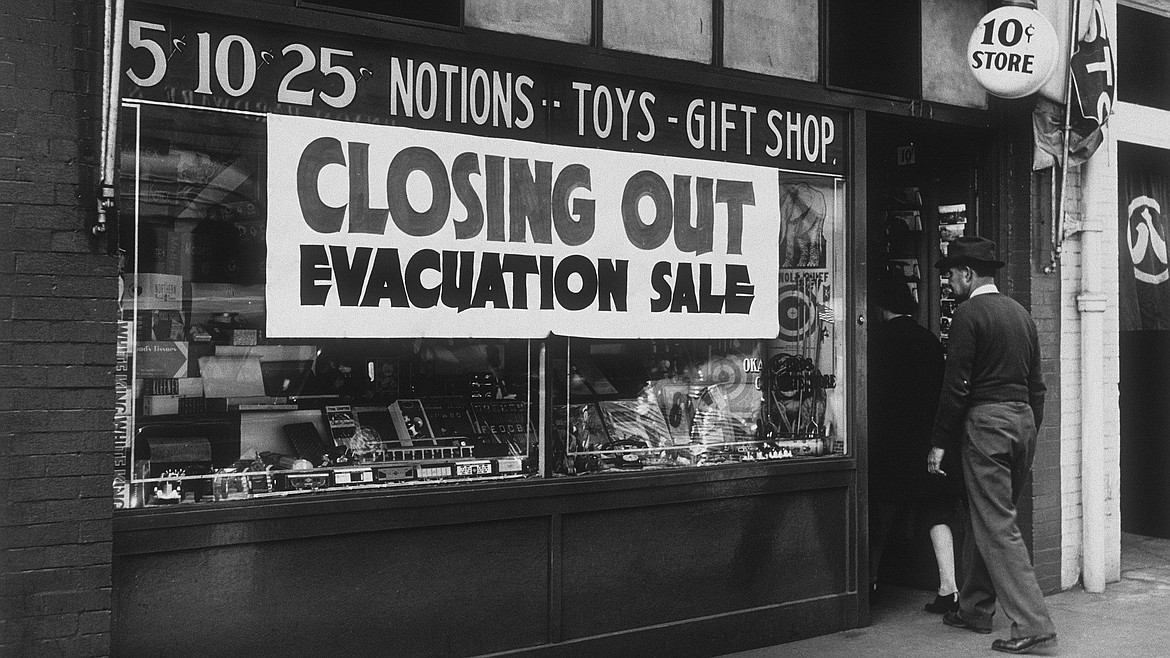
<point>1048,129</point>
<point>1094,76</point>
<point>1060,13</point>
<point>1093,73</point>
<point>1143,203</point>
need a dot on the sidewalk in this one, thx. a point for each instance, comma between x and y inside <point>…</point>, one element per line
<point>1131,618</point>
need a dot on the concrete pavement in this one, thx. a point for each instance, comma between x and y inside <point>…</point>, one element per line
<point>1131,618</point>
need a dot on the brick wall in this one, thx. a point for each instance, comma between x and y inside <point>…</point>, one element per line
<point>1070,363</point>
<point>1022,234</point>
<point>57,306</point>
<point>1047,476</point>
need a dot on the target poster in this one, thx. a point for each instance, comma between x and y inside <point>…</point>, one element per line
<point>805,365</point>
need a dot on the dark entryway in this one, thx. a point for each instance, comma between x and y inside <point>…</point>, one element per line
<point>925,186</point>
<point>1144,301</point>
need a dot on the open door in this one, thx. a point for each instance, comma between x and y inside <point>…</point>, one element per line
<point>925,185</point>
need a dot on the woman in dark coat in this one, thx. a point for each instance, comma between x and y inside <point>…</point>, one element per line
<point>905,373</point>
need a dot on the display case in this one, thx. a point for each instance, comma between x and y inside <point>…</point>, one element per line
<point>302,312</point>
<point>622,406</point>
<point>663,404</point>
<point>213,409</point>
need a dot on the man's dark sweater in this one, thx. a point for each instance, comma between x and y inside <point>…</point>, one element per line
<point>993,355</point>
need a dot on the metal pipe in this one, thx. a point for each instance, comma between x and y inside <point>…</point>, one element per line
<point>107,64</point>
<point>1098,183</point>
<point>111,91</point>
<point>107,53</point>
<point>1073,35</point>
<point>109,174</point>
<point>1091,305</point>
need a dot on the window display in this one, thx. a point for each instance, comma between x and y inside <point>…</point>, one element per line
<point>214,409</point>
<point>667,403</point>
<point>321,305</point>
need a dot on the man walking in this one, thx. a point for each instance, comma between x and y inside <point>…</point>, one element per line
<point>992,402</point>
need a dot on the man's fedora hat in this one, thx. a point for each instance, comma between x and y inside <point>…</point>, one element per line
<point>972,250</point>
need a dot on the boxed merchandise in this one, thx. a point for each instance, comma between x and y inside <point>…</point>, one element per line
<point>160,387</point>
<point>161,359</point>
<point>160,325</point>
<point>243,337</point>
<point>157,292</point>
<point>410,423</point>
<point>353,475</point>
<point>160,405</point>
<point>189,387</point>
<point>677,406</point>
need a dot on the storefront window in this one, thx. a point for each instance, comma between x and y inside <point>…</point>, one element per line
<point>1143,61</point>
<point>223,400</point>
<point>214,409</point>
<point>631,405</point>
<point>354,264</point>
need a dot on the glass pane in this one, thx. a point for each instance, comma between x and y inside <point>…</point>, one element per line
<point>874,49</point>
<point>215,410</point>
<point>1143,58</point>
<point>637,404</point>
<point>442,12</point>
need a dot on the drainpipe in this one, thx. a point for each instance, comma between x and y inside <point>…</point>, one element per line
<point>111,91</point>
<point>1091,303</point>
<point>1099,180</point>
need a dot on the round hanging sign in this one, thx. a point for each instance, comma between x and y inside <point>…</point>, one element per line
<point>1012,51</point>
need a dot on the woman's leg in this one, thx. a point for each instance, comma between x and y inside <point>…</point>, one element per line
<point>944,555</point>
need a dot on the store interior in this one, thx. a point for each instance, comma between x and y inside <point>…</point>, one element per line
<point>926,186</point>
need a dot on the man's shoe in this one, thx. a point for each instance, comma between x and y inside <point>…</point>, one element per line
<point>1025,644</point>
<point>956,620</point>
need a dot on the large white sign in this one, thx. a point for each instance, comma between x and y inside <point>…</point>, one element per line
<point>384,231</point>
<point>1012,51</point>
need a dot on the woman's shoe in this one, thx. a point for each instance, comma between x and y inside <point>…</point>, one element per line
<point>944,604</point>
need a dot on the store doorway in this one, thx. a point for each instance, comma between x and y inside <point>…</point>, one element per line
<point>1144,312</point>
<point>925,187</point>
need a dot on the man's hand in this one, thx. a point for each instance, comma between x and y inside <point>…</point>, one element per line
<point>934,461</point>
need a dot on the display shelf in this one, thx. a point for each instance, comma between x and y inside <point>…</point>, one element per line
<point>395,485</point>
<point>327,512</point>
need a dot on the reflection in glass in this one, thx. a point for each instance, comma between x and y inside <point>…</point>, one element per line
<point>214,410</point>
<point>631,405</point>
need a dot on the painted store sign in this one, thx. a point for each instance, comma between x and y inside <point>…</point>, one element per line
<point>269,69</point>
<point>435,193</point>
